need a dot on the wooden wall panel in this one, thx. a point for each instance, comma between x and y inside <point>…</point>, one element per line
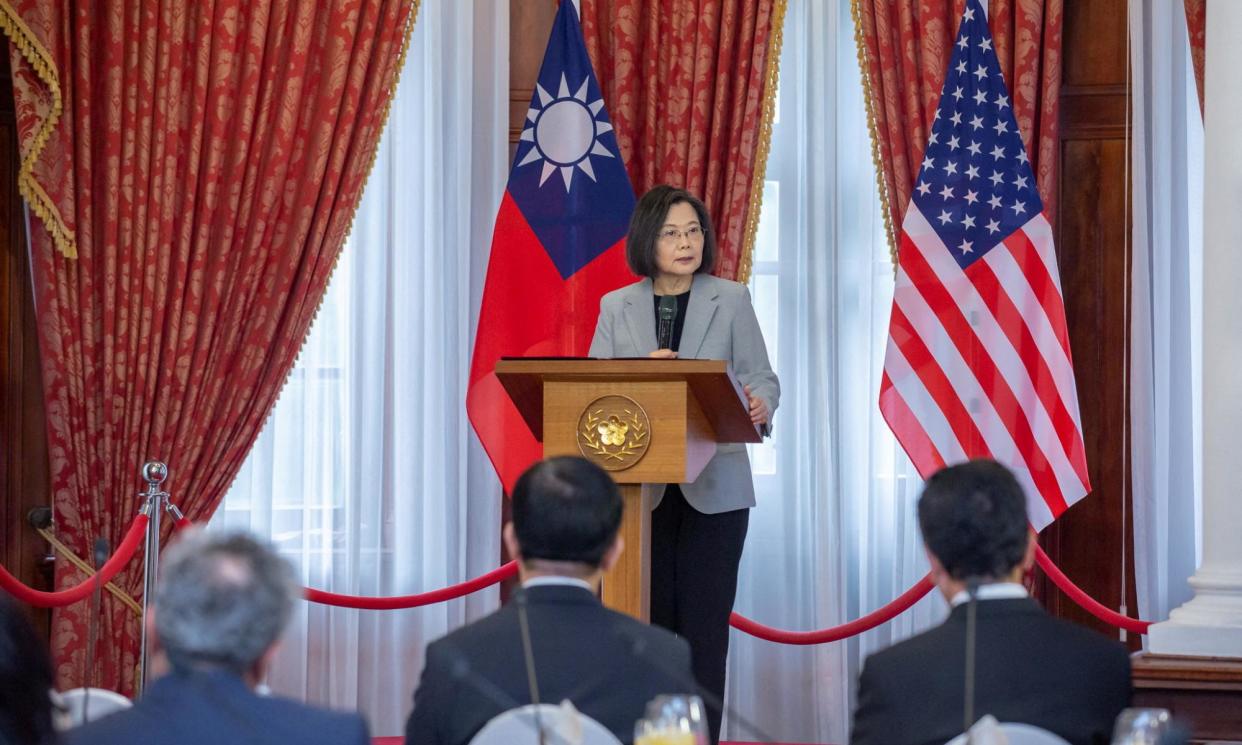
<point>1093,43</point>
<point>1093,541</point>
<point>23,440</point>
<point>530,25</point>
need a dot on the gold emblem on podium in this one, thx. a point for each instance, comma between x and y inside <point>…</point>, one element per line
<point>614,432</point>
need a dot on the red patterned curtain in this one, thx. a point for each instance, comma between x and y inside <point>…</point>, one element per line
<point>1196,25</point>
<point>194,168</point>
<point>904,47</point>
<point>690,86</point>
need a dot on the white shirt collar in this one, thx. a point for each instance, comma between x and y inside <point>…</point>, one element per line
<point>557,581</point>
<point>994,591</point>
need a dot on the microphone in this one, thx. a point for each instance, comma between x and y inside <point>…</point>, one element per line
<point>668,310</point>
<point>968,698</point>
<point>461,671</point>
<point>528,658</point>
<point>638,647</point>
<point>100,556</point>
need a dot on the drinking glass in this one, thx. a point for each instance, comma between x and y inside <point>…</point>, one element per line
<point>1141,727</point>
<point>672,720</point>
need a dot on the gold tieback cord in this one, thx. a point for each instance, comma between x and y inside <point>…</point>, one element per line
<point>25,41</point>
<point>81,564</point>
<point>763,147</point>
<point>864,70</point>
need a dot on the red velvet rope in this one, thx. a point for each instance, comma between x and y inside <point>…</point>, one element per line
<point>42,599</point>
<point>902,603</point>
<point>836,633</point>
<point>398,602</point>
<point>1088,603</point>
<point>413,601</point>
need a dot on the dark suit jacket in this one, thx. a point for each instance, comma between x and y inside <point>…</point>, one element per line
<point>209,708</point>
<point>608,664</point>
<point>1029,668</point>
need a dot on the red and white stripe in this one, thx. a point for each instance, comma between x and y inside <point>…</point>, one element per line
<point>978,363</point>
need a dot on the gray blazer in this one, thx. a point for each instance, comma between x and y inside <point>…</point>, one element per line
<point>720,325</point>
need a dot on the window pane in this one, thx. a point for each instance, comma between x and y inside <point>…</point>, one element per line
<point>764,289</point>
<point>768,236</point>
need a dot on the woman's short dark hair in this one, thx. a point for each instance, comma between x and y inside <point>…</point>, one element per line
<point>25,680</point>
<point>566,509</point>
<point>648,220</point>
<point>973,519</point>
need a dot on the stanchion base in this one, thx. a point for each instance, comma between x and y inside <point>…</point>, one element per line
<point>1195,640</point>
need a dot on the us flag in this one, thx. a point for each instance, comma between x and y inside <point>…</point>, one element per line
<point>978,359</point>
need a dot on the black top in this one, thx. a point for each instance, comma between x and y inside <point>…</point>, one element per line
<point>679,320</point>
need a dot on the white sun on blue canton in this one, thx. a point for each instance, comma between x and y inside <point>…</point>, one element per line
<point>565,133</point>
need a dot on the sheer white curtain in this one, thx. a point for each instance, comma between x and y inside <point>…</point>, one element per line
<point>367,475</point>
<point>1166,306</point>
<point>834,534</point>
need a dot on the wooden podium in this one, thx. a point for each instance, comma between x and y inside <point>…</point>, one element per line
<point>646,421</point>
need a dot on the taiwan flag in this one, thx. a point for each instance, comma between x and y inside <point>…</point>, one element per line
<point>558,245</point>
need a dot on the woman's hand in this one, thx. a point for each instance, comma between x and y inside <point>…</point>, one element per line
<point>758,408</point>
<point>663,354</point>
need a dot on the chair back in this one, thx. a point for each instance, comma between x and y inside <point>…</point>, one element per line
<point>988,731</point>
<point>79,707</point>
<point>562,725</point>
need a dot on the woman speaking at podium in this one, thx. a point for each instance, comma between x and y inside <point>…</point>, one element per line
<point>681,310</point>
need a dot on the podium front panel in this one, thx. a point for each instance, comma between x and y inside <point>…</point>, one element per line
<point>641,432</point>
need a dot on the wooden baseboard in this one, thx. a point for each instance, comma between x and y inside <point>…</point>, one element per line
<point>1203,693</point>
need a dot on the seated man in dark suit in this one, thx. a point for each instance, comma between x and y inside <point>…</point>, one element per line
<point>566,516</point>
<point>1029,667</point>
<point>221,604</point>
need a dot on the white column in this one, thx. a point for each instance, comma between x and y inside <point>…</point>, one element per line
<point>1211,623</point>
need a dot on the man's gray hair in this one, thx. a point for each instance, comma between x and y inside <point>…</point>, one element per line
<point>223,600</point>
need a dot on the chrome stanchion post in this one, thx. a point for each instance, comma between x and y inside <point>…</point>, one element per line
<point>156,501</point>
